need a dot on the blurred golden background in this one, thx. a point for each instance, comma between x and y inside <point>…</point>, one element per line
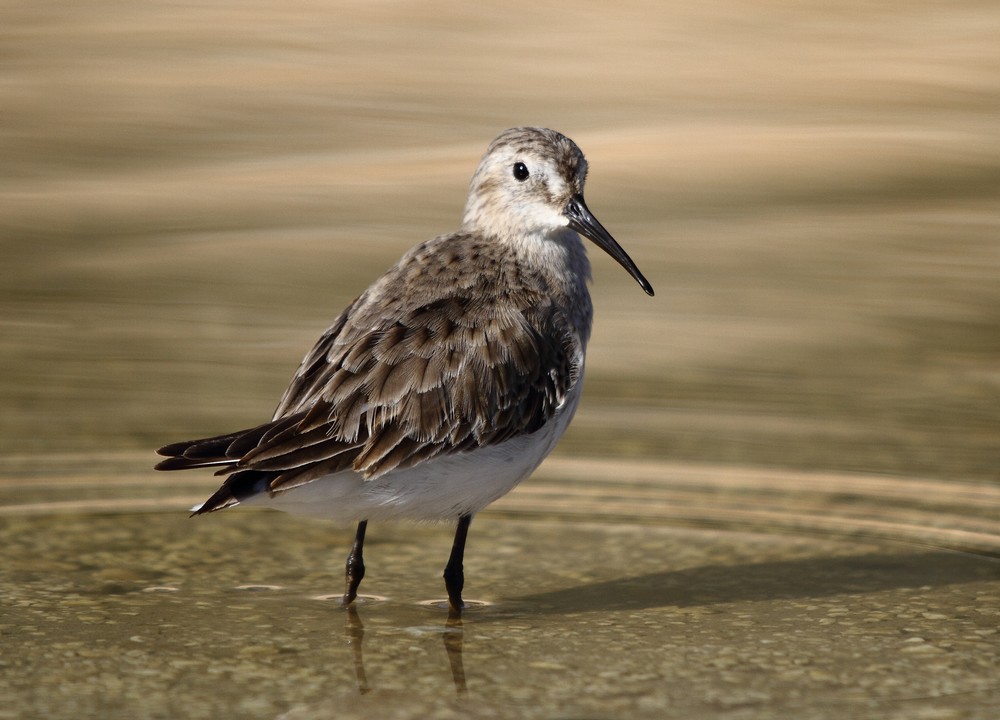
<point>750,515</point>
<point>190,192</point>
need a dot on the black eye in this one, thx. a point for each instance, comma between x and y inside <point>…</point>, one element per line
<point>520,171</point>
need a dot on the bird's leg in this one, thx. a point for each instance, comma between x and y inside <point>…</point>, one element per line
<point>355,564</point>
<point>454,578</point>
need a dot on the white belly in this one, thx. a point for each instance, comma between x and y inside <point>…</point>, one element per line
<point>439,489</point>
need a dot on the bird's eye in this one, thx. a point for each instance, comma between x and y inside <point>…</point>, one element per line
<point>520,171</point>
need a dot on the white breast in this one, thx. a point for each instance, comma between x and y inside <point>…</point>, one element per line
<point>443,488</point>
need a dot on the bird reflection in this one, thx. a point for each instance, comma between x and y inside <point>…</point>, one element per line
<point>453,637</point>
<point>354,632</point>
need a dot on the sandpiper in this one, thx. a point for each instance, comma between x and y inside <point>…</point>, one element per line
<point>446,382</point>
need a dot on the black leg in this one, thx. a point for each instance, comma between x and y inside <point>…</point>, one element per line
<point>454,578</point>
<point>355,564</point>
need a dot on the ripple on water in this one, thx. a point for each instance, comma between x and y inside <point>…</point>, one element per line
<point>359,600</point>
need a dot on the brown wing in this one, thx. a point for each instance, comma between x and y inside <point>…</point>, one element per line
<point>393,383</point>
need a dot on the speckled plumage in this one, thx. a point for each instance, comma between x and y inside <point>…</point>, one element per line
<point>446,382</point>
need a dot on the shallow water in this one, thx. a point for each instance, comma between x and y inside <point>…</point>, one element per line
<point>153,615</point>
<point>780,496</point>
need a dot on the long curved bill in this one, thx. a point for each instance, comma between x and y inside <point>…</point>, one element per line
<point>581,220</point>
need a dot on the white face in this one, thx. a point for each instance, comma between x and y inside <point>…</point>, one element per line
<point>528,192</point>
<point>520,190</point>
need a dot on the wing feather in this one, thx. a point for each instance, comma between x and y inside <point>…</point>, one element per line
<point>396,381</point>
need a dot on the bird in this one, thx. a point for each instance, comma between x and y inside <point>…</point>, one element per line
<point>448,381</point>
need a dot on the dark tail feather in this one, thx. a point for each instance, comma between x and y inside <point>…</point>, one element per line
<point>203,448</point>
<point>224,453</point>
<point>183,463</point>
<point>205,452</point>
<point>222,449</point>
<point>237,487</point>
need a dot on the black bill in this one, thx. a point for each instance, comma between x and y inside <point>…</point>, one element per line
<point>581,220</point>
